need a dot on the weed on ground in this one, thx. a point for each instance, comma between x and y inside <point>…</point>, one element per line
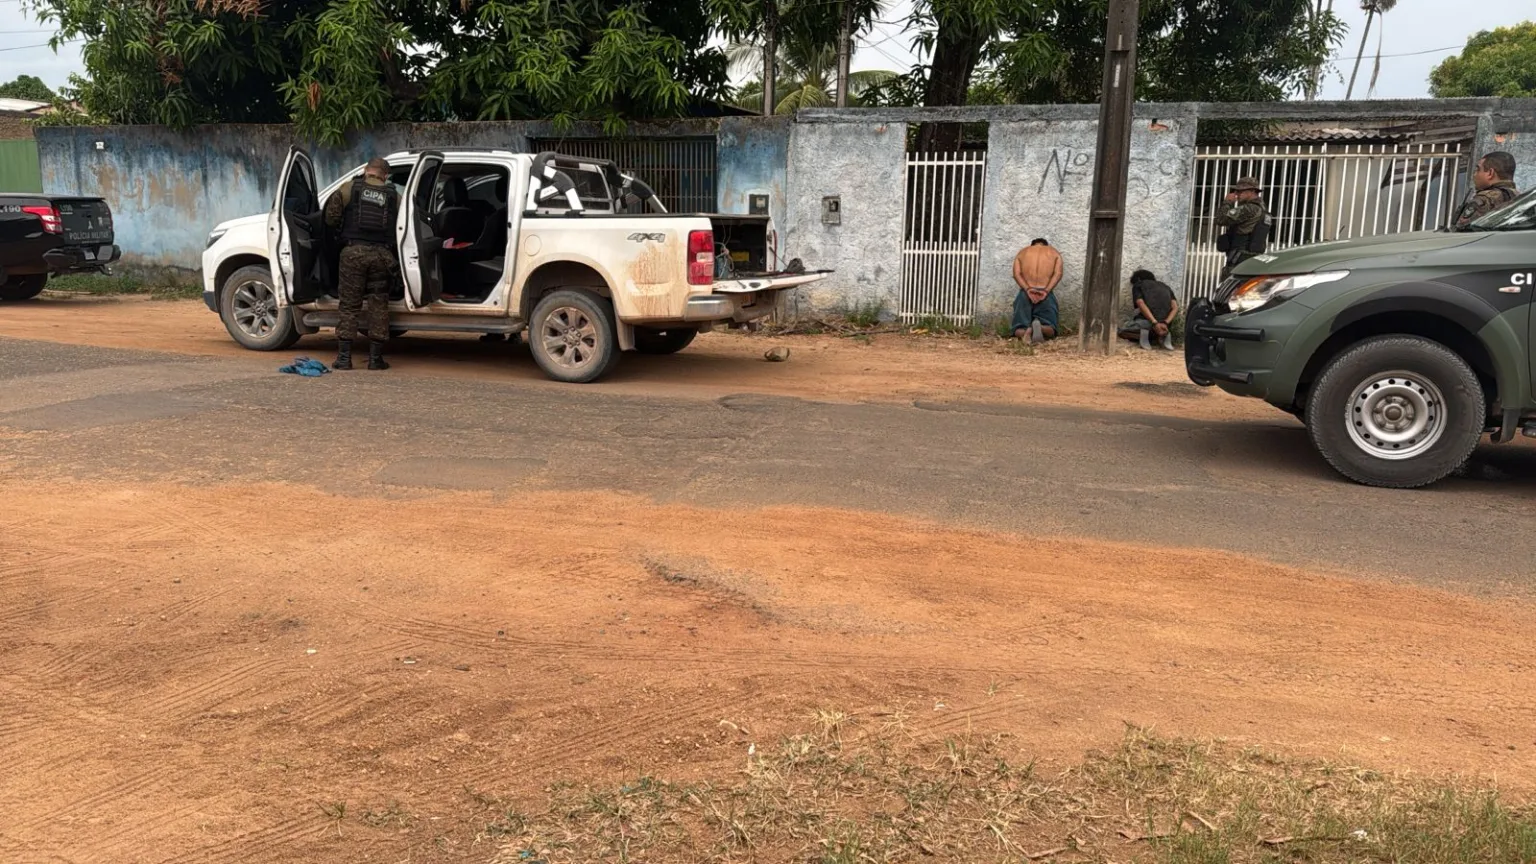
<point>864,789</point>
<point>158,285</point>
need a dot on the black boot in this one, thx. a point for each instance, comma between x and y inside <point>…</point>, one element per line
<point>376,356</point>
<point>343,355</point>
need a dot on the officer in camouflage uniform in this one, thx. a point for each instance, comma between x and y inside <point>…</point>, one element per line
<point>1243,218</point>
<point>1494,178</point>
<point>365,212</point>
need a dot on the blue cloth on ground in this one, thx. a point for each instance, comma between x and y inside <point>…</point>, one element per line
<point>306,367</point>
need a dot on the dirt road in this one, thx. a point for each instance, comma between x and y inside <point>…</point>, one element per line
<point>249,617</point>
<point>192,674</point>
<point>884,368</point>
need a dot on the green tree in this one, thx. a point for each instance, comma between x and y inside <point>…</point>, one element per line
<point>1373,9</point>
<point>1498,62</point>
<point>27,87</point>
<point>807,76</point>
<point>805,40</point>
<point>334,66</point>
<point>1052,51</point>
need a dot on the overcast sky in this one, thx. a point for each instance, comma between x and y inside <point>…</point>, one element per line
<point>1417,35</point>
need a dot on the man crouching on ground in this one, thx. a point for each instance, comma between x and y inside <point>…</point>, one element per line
<point>1155,310</point>
<point>1037,270</point>
<point>365,212</point>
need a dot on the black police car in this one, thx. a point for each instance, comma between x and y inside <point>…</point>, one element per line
<point>48,235</point>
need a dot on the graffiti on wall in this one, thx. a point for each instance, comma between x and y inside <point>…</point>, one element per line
<point>1152,175</point>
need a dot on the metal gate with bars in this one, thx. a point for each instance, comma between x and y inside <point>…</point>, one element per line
<point>941,235</point>
<point>681,171</point>
<point>1319,192</point>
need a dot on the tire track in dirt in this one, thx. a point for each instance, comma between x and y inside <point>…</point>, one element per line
<point>186,703</point>
<point>179,608</point>
<point>611,736</point>
<point>272,843</point>
<point>134,786</point>
<point>60,664</point>
<point>125,840</point>
<point>721,657</point>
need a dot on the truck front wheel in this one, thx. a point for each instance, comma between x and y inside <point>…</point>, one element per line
<point>574,336</point>
<point>248,307</point>
<point>1396,411</point>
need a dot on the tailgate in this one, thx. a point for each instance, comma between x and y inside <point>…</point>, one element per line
<point>87,221</point>
<point>768,282</point>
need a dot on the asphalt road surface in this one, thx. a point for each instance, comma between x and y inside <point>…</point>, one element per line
<point>1253,487</point>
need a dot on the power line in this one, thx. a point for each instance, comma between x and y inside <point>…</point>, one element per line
<point>883,52</point>
<point>42,45</point>
<point>1426,51</point>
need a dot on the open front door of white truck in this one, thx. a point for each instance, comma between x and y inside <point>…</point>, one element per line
<point>296,232</point>
<point>420,247</point>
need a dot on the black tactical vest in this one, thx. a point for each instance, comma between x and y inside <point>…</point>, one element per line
<point>370,215</point>
<point>1254,243</point>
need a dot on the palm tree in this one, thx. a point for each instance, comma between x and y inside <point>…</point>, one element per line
<point>807,75</point>
<point>1372,9</point>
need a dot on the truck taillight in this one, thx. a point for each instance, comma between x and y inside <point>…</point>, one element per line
<point>701,257</point>
<point>51,221</point>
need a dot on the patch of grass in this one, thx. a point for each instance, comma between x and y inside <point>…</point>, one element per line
<point>865,315</point>
<point>391,814</point>
<point>945,326</point>
<point>861,789</point>
<point>157,284</point>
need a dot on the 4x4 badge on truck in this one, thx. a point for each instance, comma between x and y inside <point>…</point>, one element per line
<point>639,237</point>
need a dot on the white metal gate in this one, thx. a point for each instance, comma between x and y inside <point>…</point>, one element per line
<point>941,240</point>
<point>1318,192</point>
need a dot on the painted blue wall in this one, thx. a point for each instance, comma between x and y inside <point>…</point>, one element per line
<point>752,158</point>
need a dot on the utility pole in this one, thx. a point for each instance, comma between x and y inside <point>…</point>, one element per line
<point>1315,80</point>
<point>844,53</point>
<point>770,55</point>
<point>1111,171</point>
<point>1370,13</point>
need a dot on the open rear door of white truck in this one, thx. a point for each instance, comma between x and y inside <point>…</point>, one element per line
<point>768,282</point>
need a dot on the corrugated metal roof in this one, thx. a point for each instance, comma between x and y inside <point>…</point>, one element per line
<point>21,106</point>
<point>1309,135</point>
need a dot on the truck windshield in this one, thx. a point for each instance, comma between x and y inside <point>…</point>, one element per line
<point>1517,215</point>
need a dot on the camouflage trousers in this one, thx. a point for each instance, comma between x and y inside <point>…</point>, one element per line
<point>367,274</point>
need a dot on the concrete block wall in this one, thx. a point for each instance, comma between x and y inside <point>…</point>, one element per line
<point>862,164</point>
<point>168,188</point>
<point>1039,183</point>
<point>1515,134</point>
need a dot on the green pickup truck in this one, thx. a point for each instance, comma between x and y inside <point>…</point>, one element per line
<point>1398,352</point>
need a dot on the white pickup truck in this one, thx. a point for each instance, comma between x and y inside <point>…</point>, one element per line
<point>570,249</point>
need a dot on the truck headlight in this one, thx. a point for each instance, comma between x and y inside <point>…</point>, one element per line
<point>214,236</point>
<point>1262,290</point>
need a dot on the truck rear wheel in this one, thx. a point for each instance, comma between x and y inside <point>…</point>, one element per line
<point>671,341</point>
<point>248,307</point>
<point>1396,411</point>
<point>23,287</point>
<point>574,336</point>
